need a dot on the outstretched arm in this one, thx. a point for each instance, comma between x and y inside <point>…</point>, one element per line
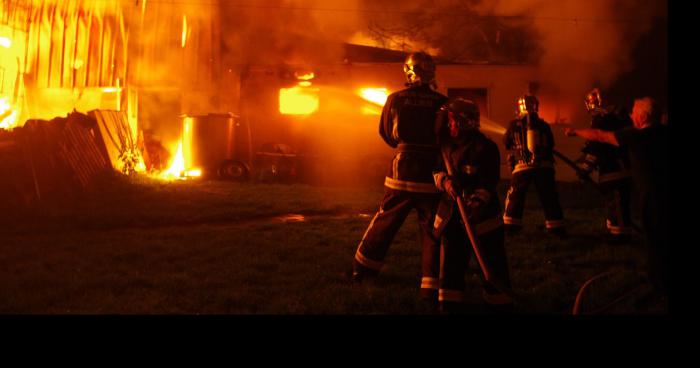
<point>593,135</point>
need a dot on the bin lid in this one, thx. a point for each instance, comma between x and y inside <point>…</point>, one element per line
<point>212,115</point>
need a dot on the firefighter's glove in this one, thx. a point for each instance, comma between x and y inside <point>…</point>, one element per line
<point>452,187</point>
<point>476,208</point>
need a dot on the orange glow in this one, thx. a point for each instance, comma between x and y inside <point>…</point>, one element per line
<point>305,77</point>
<point>402,43</point>
<point>8,115</point>
<point>371,110</point>
<point>522,108</point>
<point>193,173</point>
<point>181,166</point>
<point>298,100</point>
<point>375,95</point>
<point>177,168</point>
<point>184,30</point>
<point>491,126</point>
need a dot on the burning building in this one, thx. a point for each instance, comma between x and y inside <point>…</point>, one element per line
<point>62,56</point>
<point>331,111</point>
<point>280,87</point>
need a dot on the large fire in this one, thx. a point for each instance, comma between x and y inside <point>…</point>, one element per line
<point>8,115</point>
<point>5,42</point>
<point>178,169</point>
<point>184,31</point>
<point>298,100</point>
<point>374,95</point>
<point>181,166</point>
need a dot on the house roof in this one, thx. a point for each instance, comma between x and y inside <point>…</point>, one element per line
<point>353,53</point>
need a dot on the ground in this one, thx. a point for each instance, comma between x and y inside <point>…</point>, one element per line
<point>139,246</point>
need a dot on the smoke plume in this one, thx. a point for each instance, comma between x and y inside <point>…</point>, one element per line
<point>583,43</point>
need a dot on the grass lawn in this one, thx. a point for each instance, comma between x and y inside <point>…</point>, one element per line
<point>147,247</point>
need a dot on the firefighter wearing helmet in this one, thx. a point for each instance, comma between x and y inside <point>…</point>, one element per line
<point>419,68</point>
<point>612,163</point>
<point>476,162</point>
<point>407,124</point>
<point>530,142</point>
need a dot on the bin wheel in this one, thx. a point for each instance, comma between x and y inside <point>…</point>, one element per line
<point>234,171</point>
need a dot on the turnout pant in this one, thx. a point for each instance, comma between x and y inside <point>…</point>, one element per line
<point>547,192</point>
<point>393,210</point>
<point>455,253</point>
<point>617,196</point>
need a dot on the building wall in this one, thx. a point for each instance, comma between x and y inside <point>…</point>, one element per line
<point>111,54</point>
<point>344,130</point>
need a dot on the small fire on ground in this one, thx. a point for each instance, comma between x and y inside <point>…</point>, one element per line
<point>177,169</point>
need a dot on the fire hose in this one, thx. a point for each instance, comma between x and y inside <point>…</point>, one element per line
<point>579,296</point>
<point>581,174</point>
<point>586,178</point>
<point>498,284</point>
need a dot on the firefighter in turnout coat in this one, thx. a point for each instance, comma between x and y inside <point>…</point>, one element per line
<point>476,162</point>
<point>530,142</point>
<point>407,124</point>
<point>613,165</point>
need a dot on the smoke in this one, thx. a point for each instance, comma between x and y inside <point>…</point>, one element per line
<point>582,43</point>
<point>299,32</point>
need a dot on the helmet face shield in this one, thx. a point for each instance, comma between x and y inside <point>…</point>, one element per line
<point>593,101</point>
<point>528,104</point>
<point>419,68</point>
<point>463,115</point>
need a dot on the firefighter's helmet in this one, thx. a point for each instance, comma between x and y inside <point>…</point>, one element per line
<point>462,115</point>
<point>419,68</point>
<point>528,104</point>
<point>594,101</point>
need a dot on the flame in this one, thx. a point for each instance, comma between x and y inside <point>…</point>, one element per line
<point>298,100</point>
<point>305,77</point>
<point>177,168</point>
<point>184,30</point>
<point>375,95</point>
<point>399,43</point>
<point>5,42</point>
<point>193,173</point>
<point>180,167</point>
<point>8,115</point>
<point>371,110</point>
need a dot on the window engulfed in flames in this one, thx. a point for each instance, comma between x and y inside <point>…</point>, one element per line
<point>298,100</point>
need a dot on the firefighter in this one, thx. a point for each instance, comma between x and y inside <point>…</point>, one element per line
<point>407,123</point>
<point>647,144</point>
<point>530,142</point>
<point>476,161</point>
<point>612,163</point>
